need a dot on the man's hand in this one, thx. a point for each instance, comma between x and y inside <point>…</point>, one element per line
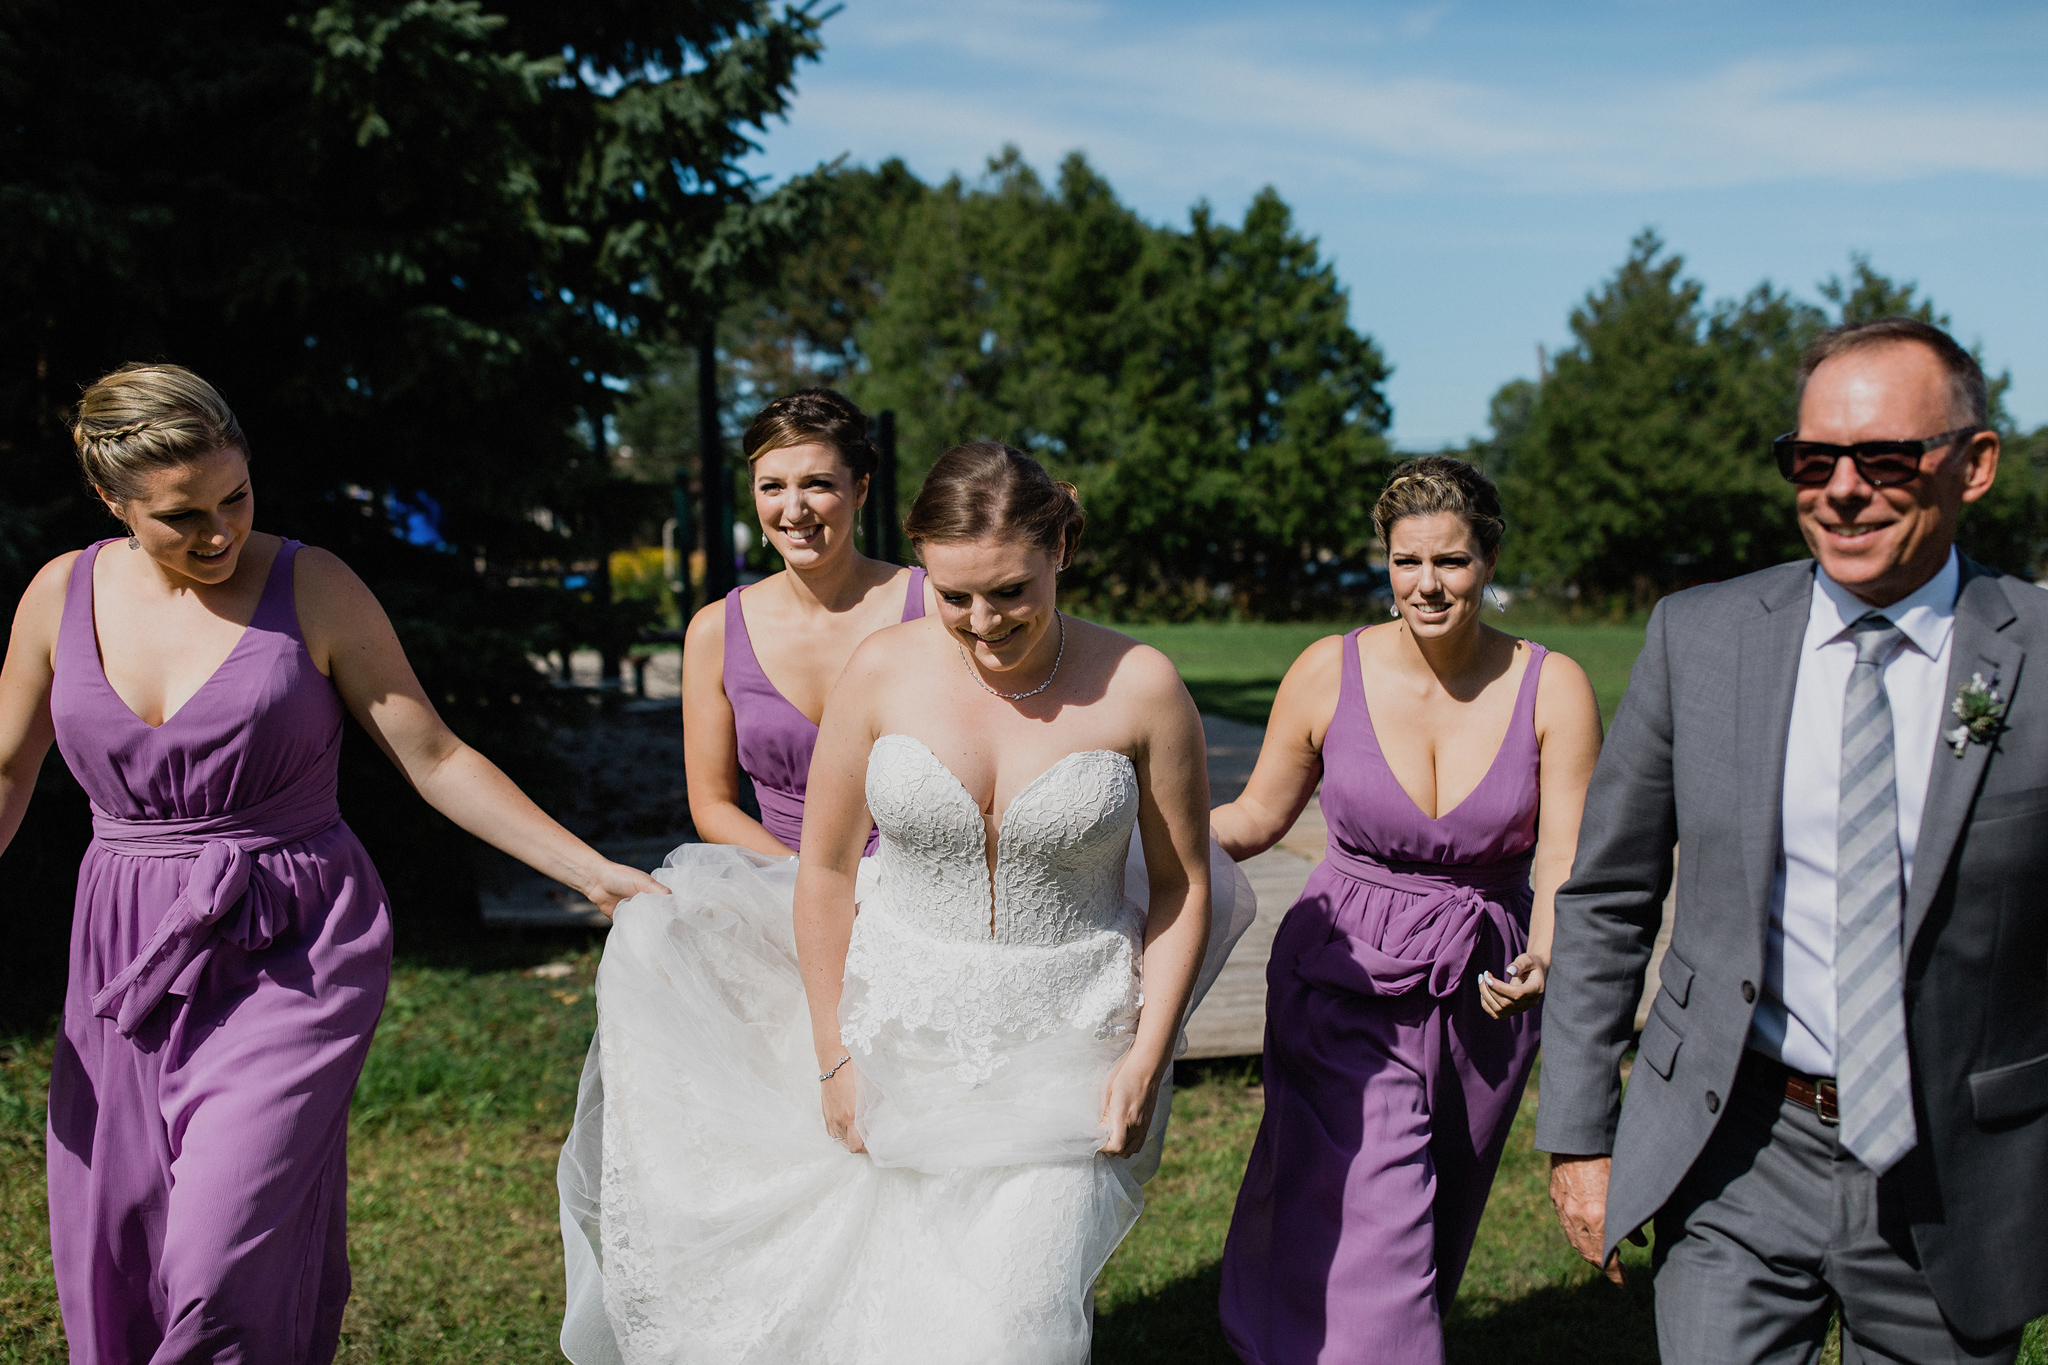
<point>1578,1191</point>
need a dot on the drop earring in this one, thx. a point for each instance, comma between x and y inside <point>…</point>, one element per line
<point>133,543</point>
<point>1499,603</point>
<point>1393,608</point>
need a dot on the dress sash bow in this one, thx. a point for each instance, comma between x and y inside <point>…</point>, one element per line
<point>1425,943</point>
<point>228,894</point>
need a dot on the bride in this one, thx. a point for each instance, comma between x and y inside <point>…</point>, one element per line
<point>914,1134</point>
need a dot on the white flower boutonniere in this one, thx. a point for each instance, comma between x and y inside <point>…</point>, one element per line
<point>1981,711</point>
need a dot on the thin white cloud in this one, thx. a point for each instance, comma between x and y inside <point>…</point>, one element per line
<point>1056,74</point>
<point>1422,22</point>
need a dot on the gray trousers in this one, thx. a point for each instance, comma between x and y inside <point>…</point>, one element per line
<point>1776,1222</point>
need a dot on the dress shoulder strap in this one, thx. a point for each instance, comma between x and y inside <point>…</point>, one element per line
<point>913,596</point>
<point>739,646</point>
<point>277,610</point>
<point>1351,690</point>
<point>1525,696</point>
<point>76,637</point>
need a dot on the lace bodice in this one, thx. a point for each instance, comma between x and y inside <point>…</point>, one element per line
<point>1048,943</point>
<point>1059,851</point>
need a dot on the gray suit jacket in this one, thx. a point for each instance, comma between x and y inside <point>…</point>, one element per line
<point>1697,758</point>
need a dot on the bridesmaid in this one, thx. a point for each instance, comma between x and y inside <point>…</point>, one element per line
<point>757,666</point>
<point>231,941</point>
<point>1399,1030</point>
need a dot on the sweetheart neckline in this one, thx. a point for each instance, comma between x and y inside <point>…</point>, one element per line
<point>995,863</point>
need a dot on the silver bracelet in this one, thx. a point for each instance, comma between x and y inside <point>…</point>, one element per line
<point>835,1068</point>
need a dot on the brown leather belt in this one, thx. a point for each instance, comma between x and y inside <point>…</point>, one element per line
<point>1816,1093</point>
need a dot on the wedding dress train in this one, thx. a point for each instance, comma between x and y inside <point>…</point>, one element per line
<point>706,1215</point>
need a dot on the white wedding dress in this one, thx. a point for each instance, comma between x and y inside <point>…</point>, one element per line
<point>708,1218</point>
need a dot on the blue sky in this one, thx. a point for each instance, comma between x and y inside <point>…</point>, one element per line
<point>1474,169</point>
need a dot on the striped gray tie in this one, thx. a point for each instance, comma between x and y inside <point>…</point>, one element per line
<point>1872,1071</point>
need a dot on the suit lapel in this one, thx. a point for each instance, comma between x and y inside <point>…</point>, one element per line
<point>1982,612</point>
<point>1767,671</point>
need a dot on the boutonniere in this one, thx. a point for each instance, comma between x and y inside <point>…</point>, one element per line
<point>1981,711</point>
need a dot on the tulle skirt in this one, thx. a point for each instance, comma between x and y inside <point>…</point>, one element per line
<point>707,1217</point>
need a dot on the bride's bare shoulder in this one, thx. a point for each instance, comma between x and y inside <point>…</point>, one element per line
<point>1138,673</point>
<point>892,650</point>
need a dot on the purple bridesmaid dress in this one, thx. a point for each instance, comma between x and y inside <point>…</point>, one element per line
<point>1389,1093</point>
<point>776,739</point>
<point>230,948</point>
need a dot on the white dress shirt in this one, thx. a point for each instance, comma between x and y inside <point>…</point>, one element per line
<point>1795,1014</point>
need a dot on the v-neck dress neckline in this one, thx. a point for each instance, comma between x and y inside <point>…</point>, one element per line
<point>1524,689</point>
<point>1369,812</point>
<point>773,738</point>
<point>264,607</point>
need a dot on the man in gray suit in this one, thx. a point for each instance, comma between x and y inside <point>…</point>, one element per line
<point>1841,1094</point>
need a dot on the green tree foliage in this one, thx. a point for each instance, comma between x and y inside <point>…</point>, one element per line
<point>1641,462</point>
<point>417,244</point>
<point>803,327</point>
<point>795,329</point>
<point>1254,441</point>
<point>1202,385</point>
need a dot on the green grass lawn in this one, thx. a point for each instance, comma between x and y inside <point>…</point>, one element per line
<point>470,1088</point>
<point>1233,670</point>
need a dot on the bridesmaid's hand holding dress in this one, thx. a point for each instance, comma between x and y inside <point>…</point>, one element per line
<point>351,640</point>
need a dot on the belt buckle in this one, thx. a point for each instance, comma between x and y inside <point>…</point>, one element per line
<point>1826,1103</point>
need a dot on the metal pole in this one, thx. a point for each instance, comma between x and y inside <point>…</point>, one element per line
<point>889,544</point>
<point>716,494</point>
<point>871,513</point>
<point>681,536</point>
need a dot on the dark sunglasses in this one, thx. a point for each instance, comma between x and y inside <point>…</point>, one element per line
<point>1883,464</point>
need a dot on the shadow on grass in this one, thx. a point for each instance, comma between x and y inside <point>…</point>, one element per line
<point>1559,1322</point>
<point>1249,700</point>
<point>472,946</point>
<point>1189,1072</point>
<point>1178,1326</point>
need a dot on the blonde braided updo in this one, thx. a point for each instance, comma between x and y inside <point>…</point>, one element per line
<point>142,418</point>
<point>1438,483</point>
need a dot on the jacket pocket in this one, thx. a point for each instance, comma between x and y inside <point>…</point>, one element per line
<point>2010,1092</point>
<point>1658,1049</point>
<point>1675,977</point>
<point>2026,803</point>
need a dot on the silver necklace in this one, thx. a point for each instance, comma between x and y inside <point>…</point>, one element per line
<point>1020,696</point>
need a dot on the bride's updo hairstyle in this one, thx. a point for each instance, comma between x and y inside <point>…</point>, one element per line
<point>1438,483</point>
<point>813,417</point>
<point>985,490</point>
<point>142,418</point>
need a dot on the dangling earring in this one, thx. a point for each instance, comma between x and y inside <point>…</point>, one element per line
<point>133,543</point>
<point>1393,608</point>
<point>1499,603</point>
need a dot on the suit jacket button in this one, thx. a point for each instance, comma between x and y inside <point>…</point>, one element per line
<point>1713,1103</point>
<point>1748,993</point>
